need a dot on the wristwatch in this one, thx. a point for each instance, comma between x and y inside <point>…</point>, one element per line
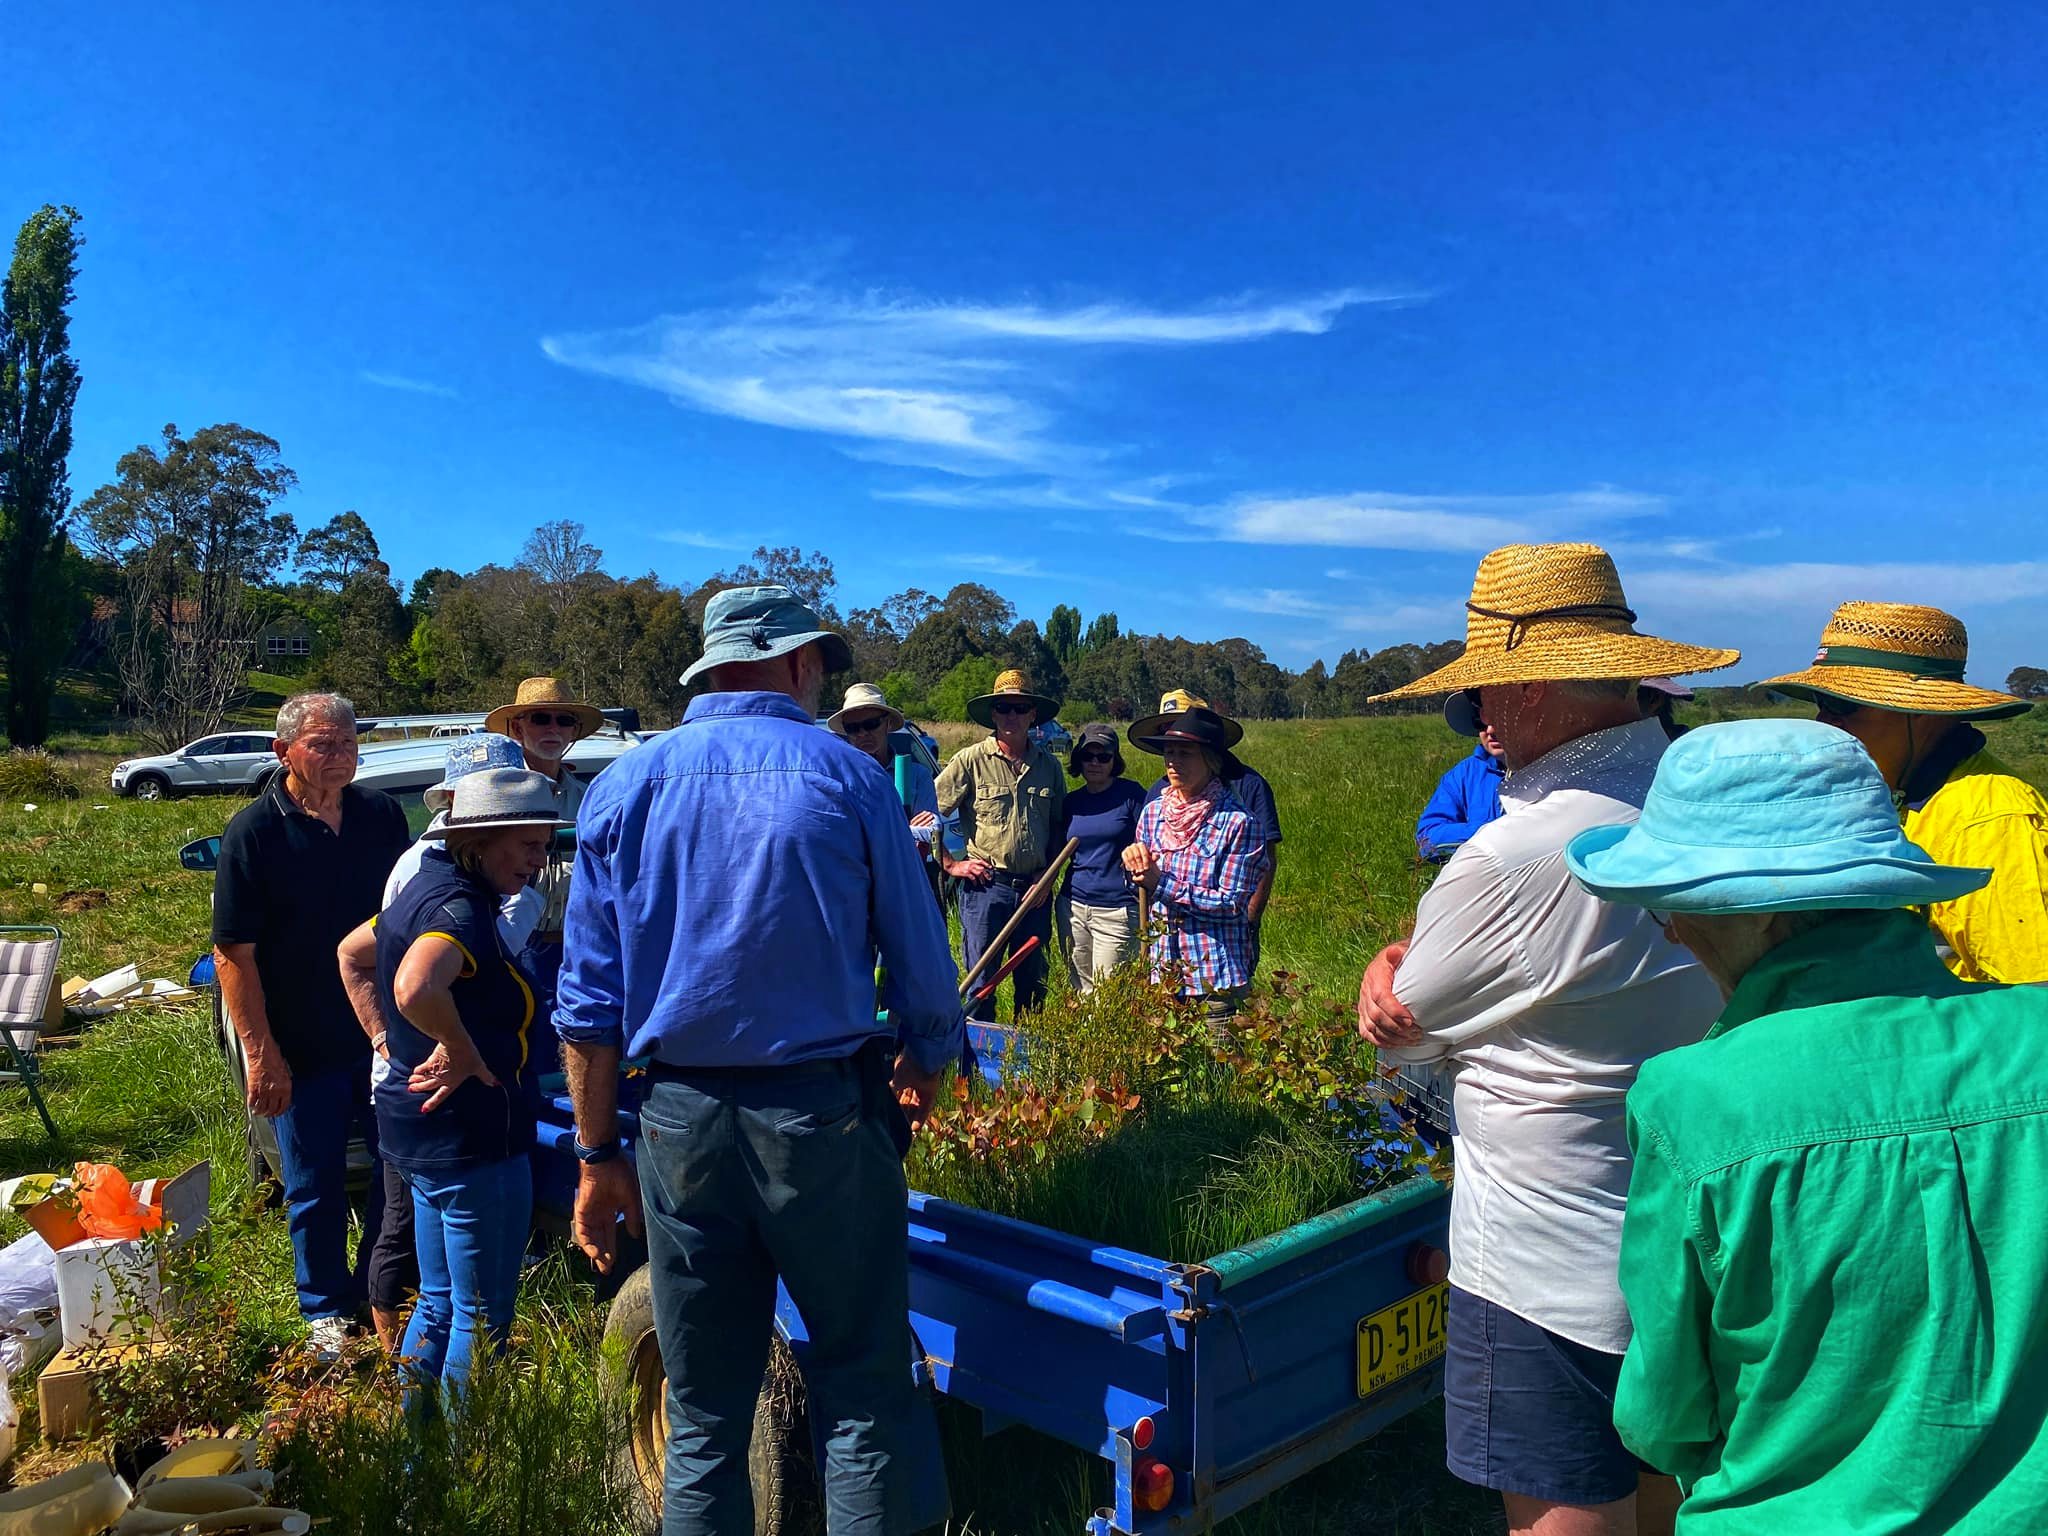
<point>602,1153</point>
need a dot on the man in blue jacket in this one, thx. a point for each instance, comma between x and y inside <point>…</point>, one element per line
<point>735,879</point>
<point>1468,796</point>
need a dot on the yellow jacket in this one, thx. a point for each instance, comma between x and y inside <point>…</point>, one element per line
<point>1985,817</point>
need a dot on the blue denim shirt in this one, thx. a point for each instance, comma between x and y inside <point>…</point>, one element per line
<point>735,879</point>
<point>1466,799</point>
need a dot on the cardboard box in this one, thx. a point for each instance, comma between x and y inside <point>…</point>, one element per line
<point>64,1392</point>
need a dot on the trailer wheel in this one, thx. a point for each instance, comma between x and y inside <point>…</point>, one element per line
<point>779,1463</point>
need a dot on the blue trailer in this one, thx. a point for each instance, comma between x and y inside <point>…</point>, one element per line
<point>1202,1387</point>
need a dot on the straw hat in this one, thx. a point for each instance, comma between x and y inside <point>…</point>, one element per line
<point>1555,612</point>
<point>1178,701</point>
<point>1900,657</point>
<point>501,797</point>
<point>540,693</point>
<point>472,754</point>
<point>861,698</point>
<point>1765,816</point>
<point>1010,685</point>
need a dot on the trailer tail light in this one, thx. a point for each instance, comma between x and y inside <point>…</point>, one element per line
<point>1142,1432</point>
<point>1151,1484</point>
<point>1428,1265</point>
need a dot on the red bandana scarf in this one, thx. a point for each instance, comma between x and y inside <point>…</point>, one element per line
<point>1181,817</point>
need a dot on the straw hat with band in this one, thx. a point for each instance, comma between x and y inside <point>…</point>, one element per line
<point>1010,685</point>
<point>1898,657</point>
<point>472,754</point>
<point>1555,612</point>
<point>1765,816</point>
<point>860,699</point>
<point>1097,733</point>
<point>501,797</point>
<point>760,624</point>
<point>1178,701</point>
<point>1199,727</point>
<point>548,695</point>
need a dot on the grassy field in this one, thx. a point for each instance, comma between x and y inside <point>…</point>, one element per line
<point>146,1090</point>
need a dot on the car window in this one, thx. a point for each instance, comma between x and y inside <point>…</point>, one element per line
<point>250,744</point>
<point>208,747</point>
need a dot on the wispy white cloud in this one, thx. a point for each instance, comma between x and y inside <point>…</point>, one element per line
<point>1814,589</point>
<point>1417,524</point>
<point>1013,567</point>
<point>692,539</point>
<point>1404,618</point>
<point>405,384</point>
<point>952,385</point>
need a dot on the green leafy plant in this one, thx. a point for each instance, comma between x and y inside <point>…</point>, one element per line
<point>32,774</point>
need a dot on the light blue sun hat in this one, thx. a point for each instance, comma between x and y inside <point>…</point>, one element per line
<point>1765,816</point>
<point>472,754</point>
<point>759,624</point>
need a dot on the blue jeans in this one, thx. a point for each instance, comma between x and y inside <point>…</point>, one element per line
<point>312,1144</point>
<point>750,1174</point>
<point>982,915</point>
<point>470,1227</point>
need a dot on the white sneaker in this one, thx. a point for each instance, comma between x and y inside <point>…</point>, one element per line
<point>327,1338</point>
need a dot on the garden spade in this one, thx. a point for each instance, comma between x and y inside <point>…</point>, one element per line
<point>1040,889</point>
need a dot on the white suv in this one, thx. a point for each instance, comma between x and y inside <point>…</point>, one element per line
<point>240,761</point>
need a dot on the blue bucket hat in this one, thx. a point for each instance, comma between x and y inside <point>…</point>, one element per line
<point>472,754</point>
<point>1765,816</point>
<point>759,624</point>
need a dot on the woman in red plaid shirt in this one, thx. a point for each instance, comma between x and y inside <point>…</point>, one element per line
<point>1198,852</point>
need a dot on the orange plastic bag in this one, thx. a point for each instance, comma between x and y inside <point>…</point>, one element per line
<point>107,1204</point>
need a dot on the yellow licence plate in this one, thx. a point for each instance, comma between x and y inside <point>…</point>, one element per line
<point>1402,1338</point>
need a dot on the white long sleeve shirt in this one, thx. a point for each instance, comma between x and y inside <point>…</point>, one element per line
<point>1546,1000</point>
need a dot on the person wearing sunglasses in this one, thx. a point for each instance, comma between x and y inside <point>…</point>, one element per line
<point>867,721</point>
<point>1832,1253</point>
<point>1009,793</point>
<point>1891,675</point>
<point>1098,908</point>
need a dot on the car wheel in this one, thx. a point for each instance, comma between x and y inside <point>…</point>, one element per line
<point>150,786</point>
<point>261,782</point>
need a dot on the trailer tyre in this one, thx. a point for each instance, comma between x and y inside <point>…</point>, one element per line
<point>779,1461</point>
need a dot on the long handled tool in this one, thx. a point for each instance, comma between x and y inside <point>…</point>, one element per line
<point>1024,952</point>
<point>1040,889</point>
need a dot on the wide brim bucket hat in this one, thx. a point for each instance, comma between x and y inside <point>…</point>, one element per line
<point>1555,612</point>
<point>544,693</point>
<point>501,797</point>
<point>1765,816</point>
<point>1177,702</point>
<point>1010,685</point>
<point>1899,657</point>
<point>472,754</point>
<point>760,624</point>
<point>861,698</point>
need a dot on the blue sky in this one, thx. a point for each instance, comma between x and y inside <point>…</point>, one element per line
<point>1236,321</point>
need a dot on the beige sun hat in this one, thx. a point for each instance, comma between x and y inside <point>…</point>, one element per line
<point>1010,685</point>
<point>1554,612</point>
<point>1896,656</point>
<point>862,697</point>
<point>539,693</point>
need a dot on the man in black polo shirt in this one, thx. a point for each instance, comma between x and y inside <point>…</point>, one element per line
<point>300,867</point>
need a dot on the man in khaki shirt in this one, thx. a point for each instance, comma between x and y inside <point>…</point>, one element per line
<point>1008,793</point>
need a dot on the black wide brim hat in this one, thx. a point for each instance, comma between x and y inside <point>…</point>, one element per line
<point>1198,727</point>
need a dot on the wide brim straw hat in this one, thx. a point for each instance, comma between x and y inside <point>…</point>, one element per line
<point>1765,816</point>
<point>1010,685</point>
<point>1555,612</point>
<point>760,624</point>
<point>1896,656</point>
<point>544,693</point>
<point>501,797</point>
<point>861,698</point>
<point>1177,702</point>
<point>472,754</point>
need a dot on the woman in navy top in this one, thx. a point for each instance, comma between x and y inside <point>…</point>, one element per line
<point>444,1001</point>
<point>1098,906</point>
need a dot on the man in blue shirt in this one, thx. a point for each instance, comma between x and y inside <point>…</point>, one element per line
<point>1468,796</point>
<point>734,881</point>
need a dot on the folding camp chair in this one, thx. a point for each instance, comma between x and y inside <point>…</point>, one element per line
<point>28,969</point>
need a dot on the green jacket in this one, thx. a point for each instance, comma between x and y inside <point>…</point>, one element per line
<point>1835,1253</point>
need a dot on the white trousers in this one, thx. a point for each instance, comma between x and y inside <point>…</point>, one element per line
<point>1097,939</point>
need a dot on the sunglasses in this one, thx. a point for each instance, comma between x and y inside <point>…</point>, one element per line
<point>1095,757</point>
<point>1835,709</point>
<point>544,718</point>
<point>1014,709</point>
<point>862,727</point>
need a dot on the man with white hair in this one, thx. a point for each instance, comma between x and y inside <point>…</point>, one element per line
<point>300,867</point>
<point>1545,1002</point>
